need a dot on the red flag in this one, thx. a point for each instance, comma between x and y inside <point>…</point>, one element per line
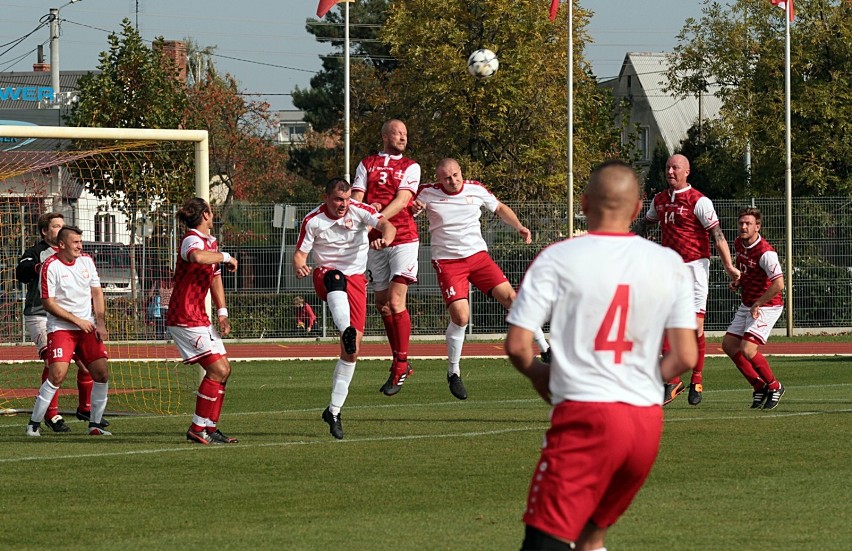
<point>783,4</point>
<point>324,6</point>
<point>554,5</point>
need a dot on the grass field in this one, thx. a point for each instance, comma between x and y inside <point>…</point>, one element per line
<point>425,471</point>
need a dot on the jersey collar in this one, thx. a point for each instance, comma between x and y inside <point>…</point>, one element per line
<point>210,238</point>
<point>756,241</point>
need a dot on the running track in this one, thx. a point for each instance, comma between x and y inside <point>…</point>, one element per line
<point>380,350</point>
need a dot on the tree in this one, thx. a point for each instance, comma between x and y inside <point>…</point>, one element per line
<point>135,87</point>
<point>509,130</point>
<point>741,48</point>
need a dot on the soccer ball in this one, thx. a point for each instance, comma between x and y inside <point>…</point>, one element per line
<point>482,63</point>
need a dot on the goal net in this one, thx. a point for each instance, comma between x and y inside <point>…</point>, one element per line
<point>122,188</point>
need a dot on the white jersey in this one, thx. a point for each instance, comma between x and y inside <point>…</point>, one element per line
<point>339,243</point>
<point>609,298</point>
<point>70,285</point>
<point>454,227</point>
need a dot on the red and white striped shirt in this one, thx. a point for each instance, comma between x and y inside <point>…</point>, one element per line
<point>685,217</point>
<point>188,303</point>
<point>759,267</point>
<point>380,177</point>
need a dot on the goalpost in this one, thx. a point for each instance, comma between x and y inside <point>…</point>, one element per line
<point>122,187</point>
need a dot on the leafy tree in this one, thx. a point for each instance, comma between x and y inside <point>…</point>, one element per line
<point>136,86</point>
<point>741,47</point>
<point>510,130</point>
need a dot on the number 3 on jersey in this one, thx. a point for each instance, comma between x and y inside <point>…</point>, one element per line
<point>616,313</point>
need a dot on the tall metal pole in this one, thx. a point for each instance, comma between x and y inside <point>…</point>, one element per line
<point>346,92</point>
<point>570,118</point>
<point>788,172</point>
<point>55,172</point>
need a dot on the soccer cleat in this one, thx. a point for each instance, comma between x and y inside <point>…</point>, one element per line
<point>773,397</point>
<point>97,429</point>
<point>334,426</point>
<point>546,355</point>
<point>758,396</point>
<point>199,437</point>
<point>220,437</point>
<point>33,429</point>
<point>695,392</point>
<point>86,416</point>
<point>672,391</point>
<point>456,386</point>
<point>395,381</point>
<point>349,338</point>
<point>57,424</point>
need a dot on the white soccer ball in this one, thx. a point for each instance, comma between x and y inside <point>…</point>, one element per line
<point>482,63</point>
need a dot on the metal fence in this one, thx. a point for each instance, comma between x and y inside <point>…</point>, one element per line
<point>262,292</point>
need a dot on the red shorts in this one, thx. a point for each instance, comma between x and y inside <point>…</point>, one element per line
<point>454,274</point>
<point>595,458</point>
<point>64,345</point>
<point>356,290</point>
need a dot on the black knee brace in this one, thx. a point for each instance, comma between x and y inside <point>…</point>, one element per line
<point>334,280</point>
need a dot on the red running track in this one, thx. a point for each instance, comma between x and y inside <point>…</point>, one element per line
<point>309,350</point>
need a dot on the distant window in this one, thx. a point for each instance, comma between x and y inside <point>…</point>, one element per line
<point>629,80</point>
<point>644,149</point>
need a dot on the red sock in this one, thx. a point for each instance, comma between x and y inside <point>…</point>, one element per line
<point>53,408</point>
<point>217,407</point>
<point>402,331</point>
<point>84,390</point>
<point>389,330</point>
<point>697,371</point>
<point>747,370</point>
<point>205,401</point>
<point>762,367</point>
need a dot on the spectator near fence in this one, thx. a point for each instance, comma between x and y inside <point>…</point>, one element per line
<point>305,316</point>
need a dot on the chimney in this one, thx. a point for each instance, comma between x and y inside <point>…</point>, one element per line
<point>176,51</point>
<point>40,66</point>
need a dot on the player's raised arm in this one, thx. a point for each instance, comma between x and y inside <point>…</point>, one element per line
<point>508,216</point>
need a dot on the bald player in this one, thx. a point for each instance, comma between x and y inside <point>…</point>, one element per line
<point>686,216</point>
<point>609,297</point>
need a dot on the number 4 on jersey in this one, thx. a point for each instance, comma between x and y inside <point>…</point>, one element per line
<point>617,312</point>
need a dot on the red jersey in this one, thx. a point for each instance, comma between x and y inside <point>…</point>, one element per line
<point>759,267</point>
<point>685,217</point>
<point>187,307</point>
<point>380,177</point>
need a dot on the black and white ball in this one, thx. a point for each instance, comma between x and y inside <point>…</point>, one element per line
<point>482,63</point>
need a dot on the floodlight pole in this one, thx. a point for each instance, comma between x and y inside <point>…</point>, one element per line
<point>570,119</point>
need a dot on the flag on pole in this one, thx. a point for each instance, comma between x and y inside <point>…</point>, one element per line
<point>554,6</point>
<point>326,5</point>
<point>783,5</point>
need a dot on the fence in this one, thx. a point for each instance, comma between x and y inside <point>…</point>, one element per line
<point>261,293</point>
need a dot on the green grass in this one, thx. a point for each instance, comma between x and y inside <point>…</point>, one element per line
<point>425,471</point>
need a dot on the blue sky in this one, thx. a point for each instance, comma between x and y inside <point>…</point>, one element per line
<point>263,43</point>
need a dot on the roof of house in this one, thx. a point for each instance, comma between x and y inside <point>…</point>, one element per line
<point>674,115</point>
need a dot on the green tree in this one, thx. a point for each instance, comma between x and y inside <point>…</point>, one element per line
<point>136,86</point>
<point>510,130</point>
<point>741,48</point>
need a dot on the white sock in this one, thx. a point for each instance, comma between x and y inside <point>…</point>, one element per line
<point>455,342</point>
<point>540,340</point>
<point>338,303</point>
<point>99,401</point>
<point>42,401</point>
<point>343,373</point>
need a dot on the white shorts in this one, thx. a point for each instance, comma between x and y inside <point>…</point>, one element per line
<point>194,343</point>
<point>385,264</point>
<point>700,270</point>
<point>37,328</point>
<point>758,328</point>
